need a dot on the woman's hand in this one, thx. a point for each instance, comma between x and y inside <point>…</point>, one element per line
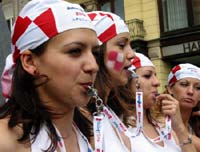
<point>170,107</point>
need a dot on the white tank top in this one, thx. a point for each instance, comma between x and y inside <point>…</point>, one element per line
<point>42,142</point>
<point>111,142</point>
<point>143,144</point>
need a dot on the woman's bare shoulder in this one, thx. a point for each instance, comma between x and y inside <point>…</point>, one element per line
<point>8,138</point>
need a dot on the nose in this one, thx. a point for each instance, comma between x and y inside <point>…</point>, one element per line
<point>190,90</point>
<point>130,53</point>
<point>156,82</point>
<point>91,65</point>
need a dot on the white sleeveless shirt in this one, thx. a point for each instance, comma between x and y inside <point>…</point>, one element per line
<point>111,142</point>
<point>43,141</point>
<point>142,144</point>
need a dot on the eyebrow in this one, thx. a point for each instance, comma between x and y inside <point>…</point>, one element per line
<point>82,44</point>
<point>75,42</point>
<point>123,38</point>
<point>189,81</point>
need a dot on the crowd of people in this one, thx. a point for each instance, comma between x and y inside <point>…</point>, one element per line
<point>72,83</point>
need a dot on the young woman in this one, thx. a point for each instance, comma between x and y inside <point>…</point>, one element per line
<point>46,79</point>
<point>154,136</point>
<point>184,86</point>
<point>114,60</point>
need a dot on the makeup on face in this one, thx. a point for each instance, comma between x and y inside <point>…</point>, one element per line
<point>115,60</point>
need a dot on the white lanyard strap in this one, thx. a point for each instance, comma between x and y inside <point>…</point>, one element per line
<point>98,127</point>
<point>164,132</point>
<point>139,112</point>
<point>118,124</point>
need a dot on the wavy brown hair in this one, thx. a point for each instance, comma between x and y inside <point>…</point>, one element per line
<point>26,109</point>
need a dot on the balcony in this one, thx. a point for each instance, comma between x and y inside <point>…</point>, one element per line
<point>136,29</point>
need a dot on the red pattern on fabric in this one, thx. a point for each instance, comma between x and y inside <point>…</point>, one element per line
<point>16,54</point>
<point>20,27</point>
<point>108,33</point>
<point>136,62</point>
<point>173,79</point>
<point>103,14</point>
<point>6,80</point>
<point>49,28</point>
<point>92,16</point>
<point>175,69</point>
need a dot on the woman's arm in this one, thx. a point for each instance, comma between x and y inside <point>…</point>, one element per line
<point>170,107</point>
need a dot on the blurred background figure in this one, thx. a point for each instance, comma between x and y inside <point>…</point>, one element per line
<point>184,86</point>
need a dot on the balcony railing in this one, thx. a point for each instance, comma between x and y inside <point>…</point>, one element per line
<point>136,29</point>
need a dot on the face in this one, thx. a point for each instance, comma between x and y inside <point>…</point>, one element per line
<point>119,46</point>
<point>186,91</point>
<point>70,65</point>
<point>149,84</point>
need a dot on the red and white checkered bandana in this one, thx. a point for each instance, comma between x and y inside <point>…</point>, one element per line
<point>107,25</point>
<point>37,22</point>
<point>140,60</point>
<point>181,71</point>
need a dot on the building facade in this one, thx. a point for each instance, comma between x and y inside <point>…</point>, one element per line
<point>168,31</point>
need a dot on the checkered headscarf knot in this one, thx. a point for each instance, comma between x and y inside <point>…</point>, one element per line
<point>181,71</point>
<point>107,25</point>
<point>37,22</point>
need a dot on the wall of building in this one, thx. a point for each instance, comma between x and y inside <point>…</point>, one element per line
<point>11,8</point>
<point>146,10</point>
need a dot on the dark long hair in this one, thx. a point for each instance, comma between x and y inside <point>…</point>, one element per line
<point>117,97</point>
<point>26,109</point>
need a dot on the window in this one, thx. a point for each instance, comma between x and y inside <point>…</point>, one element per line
<point>174,17</point>
<point>196,11</point>
<point>9,23</point>
<point>115,6</point>
<point>179,14</point>
<point>119,8</point>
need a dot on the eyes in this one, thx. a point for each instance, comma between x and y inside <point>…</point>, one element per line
<point>121,45</point>
<point>76,51</point>
<point>188,84</point>
<point>148,75</point>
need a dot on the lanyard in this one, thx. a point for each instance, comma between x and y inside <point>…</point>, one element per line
<point>164,132</point>
<point>98,127</point>
<point>119,125</point>
<point>61,144</point>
